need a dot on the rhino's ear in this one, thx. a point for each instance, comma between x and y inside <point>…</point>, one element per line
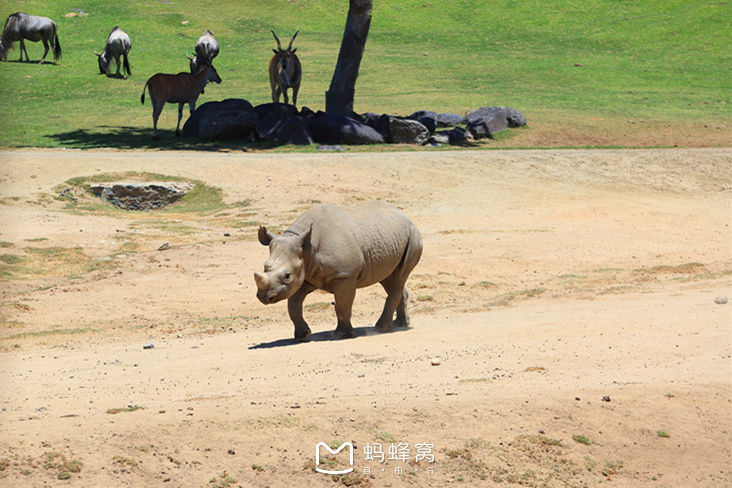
<point>265,236</point>
<point>305,236</point>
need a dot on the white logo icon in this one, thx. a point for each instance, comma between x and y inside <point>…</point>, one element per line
<point>333,453</point>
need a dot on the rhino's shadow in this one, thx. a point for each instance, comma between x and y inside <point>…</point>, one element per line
<point>326,336</point>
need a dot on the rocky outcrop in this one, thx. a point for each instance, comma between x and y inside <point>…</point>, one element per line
<point>283,123</point>
<point>142,196</point>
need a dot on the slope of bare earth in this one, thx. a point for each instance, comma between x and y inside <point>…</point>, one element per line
<point>564,329</point>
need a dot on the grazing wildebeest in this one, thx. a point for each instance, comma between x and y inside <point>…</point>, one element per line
<point>338,250</point>
<point>207,48</point>
<point>284,71</point>
<point>118,44</point>
<point>20,27</point>
<point>181,89</point>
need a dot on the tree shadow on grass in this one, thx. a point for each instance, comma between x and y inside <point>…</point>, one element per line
<point>126,137</point>
<point>325,336</point>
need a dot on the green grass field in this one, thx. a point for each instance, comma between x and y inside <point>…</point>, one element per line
<point>564,64</point>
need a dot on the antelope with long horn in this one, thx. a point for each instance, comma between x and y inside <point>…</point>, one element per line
<point>284,71</point>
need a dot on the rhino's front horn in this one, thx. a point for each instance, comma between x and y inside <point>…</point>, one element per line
<point>262,281</point>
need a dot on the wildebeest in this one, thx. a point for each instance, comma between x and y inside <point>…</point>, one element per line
<point>21,26</point>
<point>118,44</point>
<point>207,48</point>
<point>284,71</point>
<point>181,89</point>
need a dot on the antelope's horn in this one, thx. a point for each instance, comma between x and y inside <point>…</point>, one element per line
<point>279,46</point>
<point>291,40</point>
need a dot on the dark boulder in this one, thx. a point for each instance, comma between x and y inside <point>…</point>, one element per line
<point>421,114</point>
<point>228,119</point>
<point>264,109</point>
<point>269,126</point>
<point>295,130</point>
<point>338,129</point>
<point>371,119</point>
<point>456,136</point>
<point>429,123</point>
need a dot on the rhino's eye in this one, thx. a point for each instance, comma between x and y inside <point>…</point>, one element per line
<point>288,277</point>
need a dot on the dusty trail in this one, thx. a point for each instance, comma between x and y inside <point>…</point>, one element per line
<point>550,281</point>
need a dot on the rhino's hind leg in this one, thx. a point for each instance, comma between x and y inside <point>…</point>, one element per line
<point>402,314</point>
<point>395,302</point>
<point>397,295</point>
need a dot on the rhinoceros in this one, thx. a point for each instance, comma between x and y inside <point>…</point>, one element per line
<point>339,249</point>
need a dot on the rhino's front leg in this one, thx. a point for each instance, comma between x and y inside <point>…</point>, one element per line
<point>344,292</point>
<point>294,308</point>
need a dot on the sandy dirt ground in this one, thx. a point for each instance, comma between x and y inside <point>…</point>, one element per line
<point>565,326</point>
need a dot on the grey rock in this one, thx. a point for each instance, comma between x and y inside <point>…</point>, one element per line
<point>720,300</point>
<point>440,138</point>
<point>405,131</point>
<point>514,117</point>
<point>449,120</point>
<point>486,121</point>
<point>327,148</point>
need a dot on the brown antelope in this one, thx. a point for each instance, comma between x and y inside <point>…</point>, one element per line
<point>181,89</point>
<point>284,71</point>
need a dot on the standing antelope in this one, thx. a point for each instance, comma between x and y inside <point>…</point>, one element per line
<point>118,44</point>
<point>284,71</point>
<point>20,27</point>
<point>207,48</point>
<point>181,89</point>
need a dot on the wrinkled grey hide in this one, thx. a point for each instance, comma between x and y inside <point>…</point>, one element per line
<point>338,250</point>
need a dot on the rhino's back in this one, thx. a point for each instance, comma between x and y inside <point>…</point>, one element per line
<point>368,240</point>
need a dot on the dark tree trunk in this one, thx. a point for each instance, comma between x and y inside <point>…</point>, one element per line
<point>339,98</point>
